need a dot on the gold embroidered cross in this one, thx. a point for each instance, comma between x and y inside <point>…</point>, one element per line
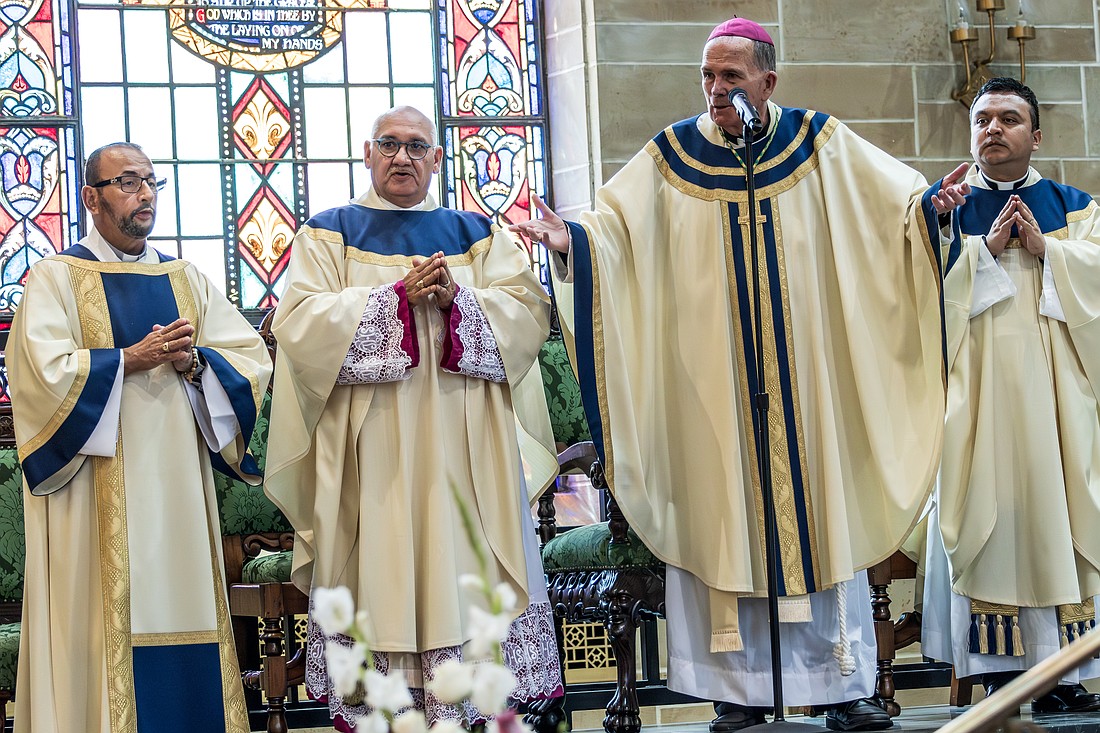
<point>760,218</point>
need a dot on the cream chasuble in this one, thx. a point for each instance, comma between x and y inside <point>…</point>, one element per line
<point>125,626</point>
<point>659,323</point>
<point>1019,494</point>
<point>367,473</point>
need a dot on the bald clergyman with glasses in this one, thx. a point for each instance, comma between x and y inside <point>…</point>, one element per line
<point>407,386</point>
<point>131,377</point>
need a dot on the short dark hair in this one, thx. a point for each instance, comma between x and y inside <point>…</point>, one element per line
<point>1008,85</point>
<point>91,165</point>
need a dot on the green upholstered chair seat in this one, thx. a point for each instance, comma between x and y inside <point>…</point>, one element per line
<point>273,568</point>
<point>589,548</point>
<point>563,394</point>
<point>9,655</point>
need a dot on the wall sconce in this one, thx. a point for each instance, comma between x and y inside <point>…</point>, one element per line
<point>963,32</point>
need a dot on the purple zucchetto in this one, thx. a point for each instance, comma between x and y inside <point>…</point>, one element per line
<point>741,28</point>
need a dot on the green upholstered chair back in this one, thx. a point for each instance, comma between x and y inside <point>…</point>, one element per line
<point>246,509</point>
<point>563,394</point>
<point>13,550</point>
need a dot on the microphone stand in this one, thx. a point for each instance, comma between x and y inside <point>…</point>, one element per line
<point>764,464</point>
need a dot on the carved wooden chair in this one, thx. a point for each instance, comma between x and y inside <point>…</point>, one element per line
<point>601,573</point>
<point>257,541</point>
<point>888,633</point>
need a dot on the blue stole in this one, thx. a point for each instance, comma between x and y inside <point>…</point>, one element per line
<point>135,297</point>
<point>1052,203</point>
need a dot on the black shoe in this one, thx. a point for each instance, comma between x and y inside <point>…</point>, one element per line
<point>857,715</point>
<point>1067,699</point>
<point>993,681</point>
<point>734,717</point>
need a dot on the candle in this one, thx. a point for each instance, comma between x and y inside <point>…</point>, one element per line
<point>962,25</point>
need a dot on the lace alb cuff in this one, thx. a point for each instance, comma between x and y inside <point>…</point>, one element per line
<point>469,346</point>
<point>384,348</point>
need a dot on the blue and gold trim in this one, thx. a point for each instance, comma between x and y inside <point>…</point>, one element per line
<point>243,398</point>
<point>702,169</point>
<point>57,446</point>
<point>793,508</point>
<point>385,237</point>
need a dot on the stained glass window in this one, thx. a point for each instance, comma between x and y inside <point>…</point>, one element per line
<point>494,125</point>
<point>38,143</point>
<point>256,112</point>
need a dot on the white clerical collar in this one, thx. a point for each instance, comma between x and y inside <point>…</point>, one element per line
<point>712,132</point>
<point>372,200</point>
<point>1004,185</point>
<point>107,252</point>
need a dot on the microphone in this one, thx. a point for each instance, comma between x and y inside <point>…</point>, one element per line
<point>748,114</point>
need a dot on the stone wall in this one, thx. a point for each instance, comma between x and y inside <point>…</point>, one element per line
<point>621,70</point>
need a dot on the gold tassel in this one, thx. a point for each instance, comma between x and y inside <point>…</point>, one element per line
<point>1017,640</point>
<point>726,641</point>
<point>983,634</point>
<point>1065,637</point>
<point>999,635</point>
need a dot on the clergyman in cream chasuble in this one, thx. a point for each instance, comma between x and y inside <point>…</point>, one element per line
<point>125,623</point>
<point>384,412</point>
<point>659,322</point>
<point>1018,501</point>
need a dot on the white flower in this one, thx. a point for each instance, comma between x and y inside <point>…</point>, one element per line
<point>333,609</point>
<point>452,681</point>
<point>344,666</point>
<point>506,596</point>
<point>411,722</point>
<point>486,629</point>
<point>471,583</point>
<point>493,683</point>
<point>373,723</point>
<point>386,692</point>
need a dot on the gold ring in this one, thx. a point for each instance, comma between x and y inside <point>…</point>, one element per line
<point>165,348</point>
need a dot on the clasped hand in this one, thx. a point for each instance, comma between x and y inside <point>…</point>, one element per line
<point>1017,213</point>
<point>164,344</point>
<point>430,276</point>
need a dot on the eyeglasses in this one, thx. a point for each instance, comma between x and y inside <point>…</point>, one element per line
<point>390,147</point>
<point>132,184</point>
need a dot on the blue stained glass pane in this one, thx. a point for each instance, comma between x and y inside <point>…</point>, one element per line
<point>282,180</point>
<point>450,142</point>
<point>279,285</point>
<point>238,83</point>
<point>247,181</point>
<point>280,83</point>
<point>253,289</point>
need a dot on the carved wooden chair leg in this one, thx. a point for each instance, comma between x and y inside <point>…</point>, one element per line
<point>546,716</point>
<point>879,578</point>
<point>622,633</point>
<point>962,690</point>
<point>274,674</point>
